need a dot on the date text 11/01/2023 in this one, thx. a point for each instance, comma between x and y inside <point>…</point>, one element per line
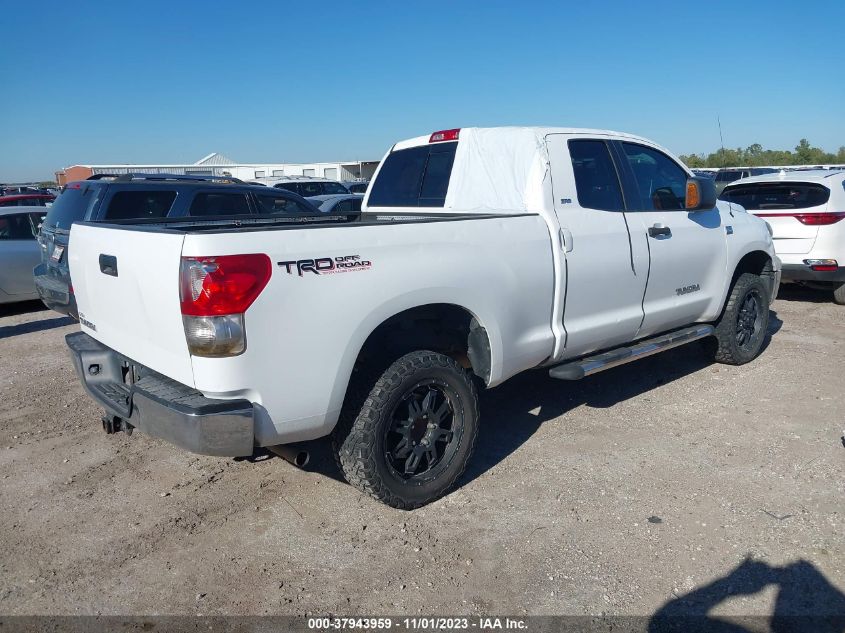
<point>418,623</point>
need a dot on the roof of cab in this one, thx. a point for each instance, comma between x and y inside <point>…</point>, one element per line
<point>539,131</point>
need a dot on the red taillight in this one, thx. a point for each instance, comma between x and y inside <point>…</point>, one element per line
<point>227,284</point>
<point>445,135</point>
<point>810,219</point>
<point>822,265</point>
<point>819,219</point>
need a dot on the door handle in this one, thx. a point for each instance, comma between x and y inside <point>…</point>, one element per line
<point>108,265</point>
<point>658,230</point>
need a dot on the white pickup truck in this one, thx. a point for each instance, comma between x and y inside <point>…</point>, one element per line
<point>479,254</point>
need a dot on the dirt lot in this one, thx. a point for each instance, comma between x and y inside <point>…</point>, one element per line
<point>618,494</point>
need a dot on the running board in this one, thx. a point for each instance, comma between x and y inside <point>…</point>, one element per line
<point>576,370</point>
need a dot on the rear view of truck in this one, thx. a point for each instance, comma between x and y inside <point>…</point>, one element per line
<point>158,310</point>
<point>226,334</point>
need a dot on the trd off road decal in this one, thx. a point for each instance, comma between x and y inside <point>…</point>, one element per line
<point>327,265</point>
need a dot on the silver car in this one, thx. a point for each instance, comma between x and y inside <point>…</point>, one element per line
<point>339,203</point>
<point>19,252</point>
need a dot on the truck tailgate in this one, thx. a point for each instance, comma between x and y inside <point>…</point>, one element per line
<point>127,289</point>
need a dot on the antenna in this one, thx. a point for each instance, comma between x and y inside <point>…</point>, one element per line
<point>721,140</point>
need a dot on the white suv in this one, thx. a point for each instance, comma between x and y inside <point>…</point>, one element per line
<point>805,210</point>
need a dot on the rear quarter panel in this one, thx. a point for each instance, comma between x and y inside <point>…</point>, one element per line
<point>304,332</point>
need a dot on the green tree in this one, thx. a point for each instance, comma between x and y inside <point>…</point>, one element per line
<point>694,160</point>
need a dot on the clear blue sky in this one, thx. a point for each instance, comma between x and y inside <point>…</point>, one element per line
<point>281,81</point>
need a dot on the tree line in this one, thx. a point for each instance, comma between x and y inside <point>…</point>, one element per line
<point>755,156</point>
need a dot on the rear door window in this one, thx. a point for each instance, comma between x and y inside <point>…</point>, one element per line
<point>661,182</point>
<point>213,203</point>
<point>139,205</point>
<point>596,180</point>
<point>16,227</point>
<point>77,203</point>
<point>777,195</point>
<point>350,205</point>
<point>289,186</point>
<point>280,203</point>
<point>308,189</point>
<point>414,177</point>
<point>334,187</point>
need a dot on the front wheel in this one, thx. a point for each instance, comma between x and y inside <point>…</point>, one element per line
<point>414,434</point>
<point>742,329</point>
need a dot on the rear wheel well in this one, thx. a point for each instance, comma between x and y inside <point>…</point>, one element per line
<point>441,327</point>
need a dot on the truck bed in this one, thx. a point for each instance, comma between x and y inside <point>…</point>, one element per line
<point>308,325</point>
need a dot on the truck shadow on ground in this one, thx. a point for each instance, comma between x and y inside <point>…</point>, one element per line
<point>806,601</point>
<point>512,412</point>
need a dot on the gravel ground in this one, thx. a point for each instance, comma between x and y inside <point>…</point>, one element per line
<point>669,483</point>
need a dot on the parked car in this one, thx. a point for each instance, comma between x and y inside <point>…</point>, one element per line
<point>139,198</point>
<point>338,203</point>
<point>806,210</point>
<point>19,252</point>
<point>356,186</point>
<point>27,200</point>
<point>308,187</point>
<point>594,249</point>
<point>727,176</point>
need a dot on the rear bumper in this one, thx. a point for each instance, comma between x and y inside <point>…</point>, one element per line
<point>54,292</point>
<point>159,406</point>
<point>801,272</point>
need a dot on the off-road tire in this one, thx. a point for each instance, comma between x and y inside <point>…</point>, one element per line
<point>359,440</point>
<point>725,348</point>
<point>839,294</point>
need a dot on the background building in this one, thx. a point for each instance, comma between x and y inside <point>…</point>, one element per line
<point>219,165</point>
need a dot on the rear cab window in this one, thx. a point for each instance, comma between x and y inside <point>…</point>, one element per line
<point>77,203</point>
<point>760,196</point>
<point>414,177</point>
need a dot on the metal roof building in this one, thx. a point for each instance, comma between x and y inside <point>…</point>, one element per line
<point>216,164</point>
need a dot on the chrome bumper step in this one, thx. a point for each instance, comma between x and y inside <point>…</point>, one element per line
<point>575,370</point>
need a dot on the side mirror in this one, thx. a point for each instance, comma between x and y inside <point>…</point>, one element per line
<point>701,194</point>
